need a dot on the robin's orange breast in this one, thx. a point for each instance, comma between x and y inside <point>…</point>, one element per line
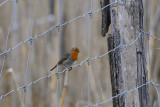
<point>74,55</point>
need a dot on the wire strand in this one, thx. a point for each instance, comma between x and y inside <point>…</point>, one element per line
<point>4,2</point>
<point>149,56</point>
<point>58,26</point>
<point>91,59</point>
<point>55,26</point>
<point>58,36</point>
<point>89,39</point>
<point>26,72</point>
<point>9,29</point>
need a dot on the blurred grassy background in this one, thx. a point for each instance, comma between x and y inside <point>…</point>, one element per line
<point>44,49</point>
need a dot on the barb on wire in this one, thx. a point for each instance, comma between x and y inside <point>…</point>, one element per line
<point>55,26</point>
<point>154,37</point>
<point>31,83</point>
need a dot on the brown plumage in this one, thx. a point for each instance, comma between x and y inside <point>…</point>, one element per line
<point>61,60</point>
<point>68,59</point>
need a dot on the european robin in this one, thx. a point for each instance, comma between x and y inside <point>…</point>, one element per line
<point>68,59</point>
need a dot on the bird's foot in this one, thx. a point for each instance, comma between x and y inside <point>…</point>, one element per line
<point>70,68</point>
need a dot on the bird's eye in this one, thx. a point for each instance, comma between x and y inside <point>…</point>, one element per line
<point>77,50</point>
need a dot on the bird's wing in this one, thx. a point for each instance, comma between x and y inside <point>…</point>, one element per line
<point>65,57</point>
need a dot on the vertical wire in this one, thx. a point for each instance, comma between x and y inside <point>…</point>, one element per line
<point>58,34</point>
<point>157,93</point>
<point>89,38</point>
<point>123,75</point>
<point>149,43</point>
<point>124,84</point>
<point>6,42</point>
<point>26,76</point>
<point>26,71</point>
<point>149,51</point>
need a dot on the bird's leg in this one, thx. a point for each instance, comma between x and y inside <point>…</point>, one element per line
<point>70,68</point>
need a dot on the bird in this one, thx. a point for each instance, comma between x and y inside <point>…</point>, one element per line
<point>68,59</point>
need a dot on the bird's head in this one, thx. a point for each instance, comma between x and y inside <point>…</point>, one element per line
<point>74,51</point>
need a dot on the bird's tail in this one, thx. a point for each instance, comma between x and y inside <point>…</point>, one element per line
<point>54,67</point>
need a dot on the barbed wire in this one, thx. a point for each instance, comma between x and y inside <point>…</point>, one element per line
<point>123,93</point>
<point>55,26</point>
<point>86,60</point>
<point>131,90</point>
<point>146,33</point>
<point>2,96</point>
<point>99,103</point>
<point>48,76</point>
